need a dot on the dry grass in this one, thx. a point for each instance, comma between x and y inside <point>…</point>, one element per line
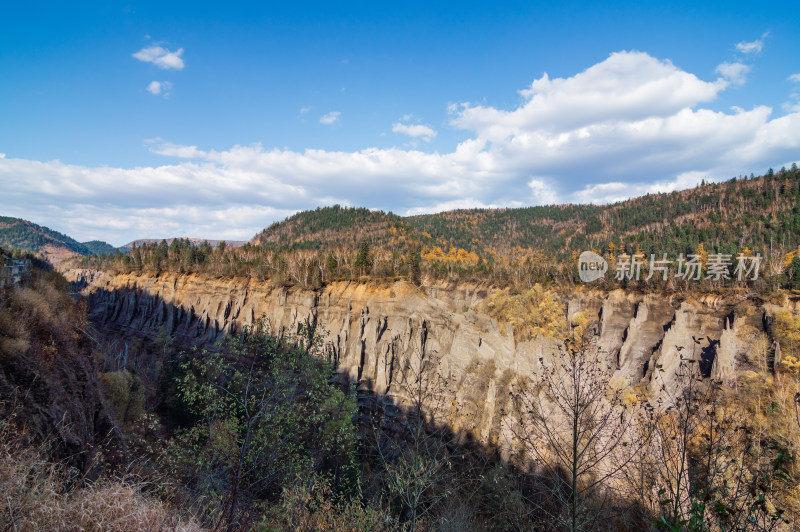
<point>35,495</point>
<point>787,332</point>
<point>42,313</point>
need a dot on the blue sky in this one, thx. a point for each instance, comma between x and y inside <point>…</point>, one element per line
<point>214,120</point>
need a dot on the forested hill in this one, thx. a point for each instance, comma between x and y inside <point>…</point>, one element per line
<point>98,247</point>
<point>328,226</point>
<point>757,212</point>
<point>515,247</point>
<point>16,233</point>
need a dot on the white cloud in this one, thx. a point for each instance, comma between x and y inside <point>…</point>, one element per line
<point>734,73</point>
<point>426,133</point>
<point>161,57</point>
<point>159,87</point>
<point>542,192</point>
<point>628,125</point>
<point>618,191</point>
<point>627,86</point>
<point>753,47</point>
<point>795,77</point>
<point>330,118</point>
<point>466,203</point>
<point>305,110</point>
<point>175,150</point>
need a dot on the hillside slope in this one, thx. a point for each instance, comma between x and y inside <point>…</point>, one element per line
<point>757,212</point>
<point>48,372</point>
<point>330,226</point>
<point>16,233</point>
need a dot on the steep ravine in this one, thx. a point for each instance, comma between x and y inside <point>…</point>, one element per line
<point>381,331</point>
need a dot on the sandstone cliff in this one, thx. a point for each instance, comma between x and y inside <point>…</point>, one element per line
<point>380,333</point>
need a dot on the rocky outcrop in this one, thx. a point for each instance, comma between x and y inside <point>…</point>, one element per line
<point>383,333</point>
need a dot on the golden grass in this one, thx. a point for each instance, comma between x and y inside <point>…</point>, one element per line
<point>35,495</point>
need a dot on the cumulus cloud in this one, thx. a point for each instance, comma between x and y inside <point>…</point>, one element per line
<point>795,77</point>
<point>161,57</point>
<point>330,118</point>
<point>628,125</point>
<point>159,87</point>
<point>628,86</point>
<point>466,203</point>
<point>734,73</point>
<point>752,47</point>
<point>543,192</point>
<point>426,133</point>
<point>617,191</point>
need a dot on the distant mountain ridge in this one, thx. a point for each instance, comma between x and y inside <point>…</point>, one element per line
<point>98,247</point>
<point>56,247</point>
<point>16,233</point>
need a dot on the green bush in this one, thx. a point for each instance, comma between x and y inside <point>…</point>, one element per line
<point>267,413</point>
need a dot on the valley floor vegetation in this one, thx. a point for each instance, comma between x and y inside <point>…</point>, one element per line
<point>259,433</point>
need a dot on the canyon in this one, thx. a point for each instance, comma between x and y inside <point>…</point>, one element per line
<point>384,335</point>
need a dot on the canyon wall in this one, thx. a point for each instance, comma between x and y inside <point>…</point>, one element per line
<point>383,333</point>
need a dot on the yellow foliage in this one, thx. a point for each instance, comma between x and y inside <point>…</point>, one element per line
<point>787,259</point>
<point>537,311</point>
<point>630,397</point>
<point>791,363</point>
<point>453,256</point>
<point>787,332</point>
<point>702,253</point>
<point>579,323</point>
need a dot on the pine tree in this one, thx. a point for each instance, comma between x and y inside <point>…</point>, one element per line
<point>364,258</point>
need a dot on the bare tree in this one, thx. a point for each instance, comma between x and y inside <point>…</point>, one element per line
<point>708,471</point>
<point>571,422</point>
<point>417,467</point>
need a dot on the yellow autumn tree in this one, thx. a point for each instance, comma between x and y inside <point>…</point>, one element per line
<point>537,311</point>
<point>700,250</point>
<point>787,332</point>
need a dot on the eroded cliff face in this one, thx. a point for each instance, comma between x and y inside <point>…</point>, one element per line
<point>382,333</point>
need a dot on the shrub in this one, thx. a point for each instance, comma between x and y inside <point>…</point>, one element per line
<point>267,413</point>
<point>309,505</point>
<point>125,394</point>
